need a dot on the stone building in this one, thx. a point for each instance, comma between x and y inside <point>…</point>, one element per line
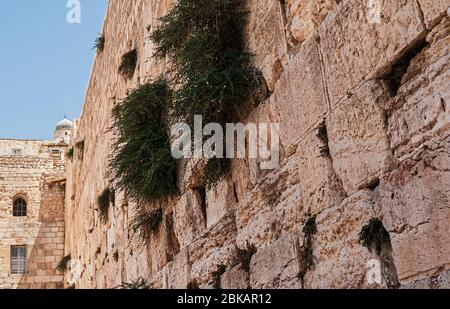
<point>327,63</point>
<point>32,191</point>
<point>378,87</point>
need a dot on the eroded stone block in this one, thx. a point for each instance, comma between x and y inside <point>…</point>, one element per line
<point>433,11</point>
<point>266,38</point>
<point>189,218</point>
<point>358,139</point>
<point>276,266</point>
<point>219,201</point>
<point>424,96</point>
<point>355,49</point>
<point>299,100</point>
<point>340,261</point>
<point>217,246</point>
<point>415,204</point>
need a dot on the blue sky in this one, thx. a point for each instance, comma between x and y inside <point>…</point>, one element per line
<point>45,64</point>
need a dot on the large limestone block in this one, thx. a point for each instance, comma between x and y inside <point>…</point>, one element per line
<point>189,219</point>
<point>235,278</point>
<point>246,172</point>
<point>440,281</point>
<point>304,17</point>
<point>434,10</point>
<point>320,186</point>
<point>358,139</point>
<point>219,201</point>
<point>276,266</point>
<point>424,97</point>
<point>177,273</point>
<point>415,204</point>
<point>355,49</point>
<point>299,100</point>
<point>272,208</point>
<point>217,246</point>
<point>266,38</point>
<point>340,261</point>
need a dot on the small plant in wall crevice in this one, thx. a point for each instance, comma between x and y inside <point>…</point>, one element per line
<point>63,265</point>
<point>216,276</point>
<point>373,235</point>
<point>307,262</point>
<point>146,222</point>
<point>322,135</point>
<point>79,146</point>
<point>138,284</point>
<point>244,256</point>
<point>104,201</point>
<point>69,154</point>
<point>128,64</point>
<point>192,285</point>
<point>99,44</point>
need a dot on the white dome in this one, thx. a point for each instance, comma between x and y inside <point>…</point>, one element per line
<point>64,124</point>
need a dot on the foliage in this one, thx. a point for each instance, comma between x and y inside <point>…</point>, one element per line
<point>116,256</point>
<point>205,41</point>
<point>216,276</point>
<point>141,160</point>
<point>146,222</point>
<point>192,285</point>
<point>104,201</point>
<point>309,229</point>
<point>215,169</point>
<point>99,43</point>
<point>139,284</point>
<point>373,235</point>
<point>244,256</point>
<point>63,265</point>
<point>69,154</point>
<point>128,64</point>
<point>80,149</point>
<point>323,137</point>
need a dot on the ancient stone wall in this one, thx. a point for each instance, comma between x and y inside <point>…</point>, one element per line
<point>35,175</point>
<point>381,92</point>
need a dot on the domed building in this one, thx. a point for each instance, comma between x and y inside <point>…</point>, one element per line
<point>63,131</point>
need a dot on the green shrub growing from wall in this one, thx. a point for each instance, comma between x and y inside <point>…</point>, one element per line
<point>99,44</point>
<point>141,162</point>
<point>214,74</point>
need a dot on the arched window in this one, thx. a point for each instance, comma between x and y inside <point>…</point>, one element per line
<point>20,207</point>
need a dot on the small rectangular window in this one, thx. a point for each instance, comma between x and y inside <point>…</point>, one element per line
<point>56,152</point>
<point>17,152</point>
<point>19,260</point>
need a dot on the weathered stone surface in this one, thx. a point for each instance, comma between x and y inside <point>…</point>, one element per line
<point>276,266</point>
<point>358,138</point>
<point>189,219</point>
<point>424,95</point>
<point>304,17</point>
<point>217,246</point>
<point>340,261</point>
<point>266,38</point>
<point>299,100</point>
<point>219,201</point>
<point>354,49</point>
<point>434,10</point>
<point>177,273</point>
<point>320,186</point>
<point>441,281</point>
<point>235,278</point>
<point>272,208</point>
<point>415,205</point>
